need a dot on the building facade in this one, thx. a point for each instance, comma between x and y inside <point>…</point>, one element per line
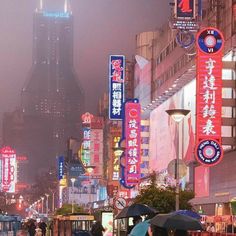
<point>52,100</point>
<point>173,85</point>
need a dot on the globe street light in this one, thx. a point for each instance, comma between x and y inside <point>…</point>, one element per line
<point>73,183</point>
<point>177,115</point>
<point>53,198</point>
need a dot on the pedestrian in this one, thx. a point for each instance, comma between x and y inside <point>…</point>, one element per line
<point>43,227</point>
<point>136,220</point>
<point>211,228</point>
<point>156,231</point>
<point>31,228</point>
<point>38,231</point>
<point>97,229</point>
<point>21,233</point>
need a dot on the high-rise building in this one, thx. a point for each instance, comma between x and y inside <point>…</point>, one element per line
<point>52,100</point>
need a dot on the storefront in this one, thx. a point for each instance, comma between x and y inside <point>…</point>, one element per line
<point>221,184</point>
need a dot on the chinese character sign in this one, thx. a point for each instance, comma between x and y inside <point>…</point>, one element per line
<point>116,158</point>
<point>185,8</point>
<point>86,146</point>
<point>96,152</point>
<point>116,86</point>
<point>9,173</point>
<point>209,96</point>
<point>132,139</point>
<point>60,167</point>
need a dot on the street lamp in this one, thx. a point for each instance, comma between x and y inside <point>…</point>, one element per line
<point>47,195</point>
<point>53,198</point>
<point>177,115</point>
<point>38,205</point>
<point>73,184</point>
<point>42,203</point>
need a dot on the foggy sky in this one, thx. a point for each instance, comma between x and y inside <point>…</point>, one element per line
<point>101,28</point>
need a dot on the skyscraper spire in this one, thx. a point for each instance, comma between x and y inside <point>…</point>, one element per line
<point>41,5</point>
<point>66,6</point>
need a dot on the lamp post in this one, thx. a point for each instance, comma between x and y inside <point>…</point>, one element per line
<point>53,198</point>
<point>42,203</point>
<point>38,205</point>
<point>47,195</point>
<point>177,115</point>
<point>73,184</point>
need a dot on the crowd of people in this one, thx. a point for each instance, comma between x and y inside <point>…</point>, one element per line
<point>33,228</point>
<point>98,230</point>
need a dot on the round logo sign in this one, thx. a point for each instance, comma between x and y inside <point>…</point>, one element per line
<point>185,39</point>
<point>209,152</point>
<point>210,40</point>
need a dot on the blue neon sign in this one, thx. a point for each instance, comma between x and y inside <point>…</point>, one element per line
<point>57,14</point>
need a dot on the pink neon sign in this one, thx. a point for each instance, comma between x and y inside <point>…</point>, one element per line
<point>132,138</point>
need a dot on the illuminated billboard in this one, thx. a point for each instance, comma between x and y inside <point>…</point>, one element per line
<point>185,8</point>
<point>96,153</point>
<point>9,169</point>
<point>61,161</point>
<point>209,96</point>
<point>116,86</point>
<point>132,141</point>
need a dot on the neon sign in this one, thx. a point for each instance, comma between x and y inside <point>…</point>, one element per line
<point>116,158</point>
<point>185,8</point>
<point>132,141</point>
<point>209,96</point>
<point>60,167</point>
<point>9,173</point>
<point>116,86</point>
<point>56,14</point>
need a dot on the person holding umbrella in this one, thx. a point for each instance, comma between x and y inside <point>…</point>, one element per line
<point>136,220</point>
<point>156,231</point>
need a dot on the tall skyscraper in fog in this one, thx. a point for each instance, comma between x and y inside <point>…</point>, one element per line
<point>52,100</point>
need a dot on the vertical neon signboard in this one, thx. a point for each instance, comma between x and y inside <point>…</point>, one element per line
<point>86,144</point>
<point>209,96</point>
<point>132,139</point>
<point>116,158</point>
<point>9,178</point>
<point>116,86</point>
<point>60,167</point>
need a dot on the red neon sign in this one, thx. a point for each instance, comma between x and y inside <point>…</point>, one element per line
<point>132,139</point>
<point>209,96</point>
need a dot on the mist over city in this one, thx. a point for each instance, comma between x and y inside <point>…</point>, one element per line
<point>117,117</point>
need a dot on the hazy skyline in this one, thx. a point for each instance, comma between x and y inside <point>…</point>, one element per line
<point>101,28</point>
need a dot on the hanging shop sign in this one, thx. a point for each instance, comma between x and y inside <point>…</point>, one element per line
<point>209,96</point>
<point>116,86</point>
<point>185,9</point>
<point>185,15</point>
<point>132,141</point>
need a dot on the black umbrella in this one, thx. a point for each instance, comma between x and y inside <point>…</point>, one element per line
<point>176,221</point>
<point>136,209</point>
<point>192,214</point>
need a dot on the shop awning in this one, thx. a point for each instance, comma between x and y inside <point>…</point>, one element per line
<point>209,200</point>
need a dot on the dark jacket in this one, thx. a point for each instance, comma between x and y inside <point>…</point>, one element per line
<point>97,229</point>
<point>31,229</point>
